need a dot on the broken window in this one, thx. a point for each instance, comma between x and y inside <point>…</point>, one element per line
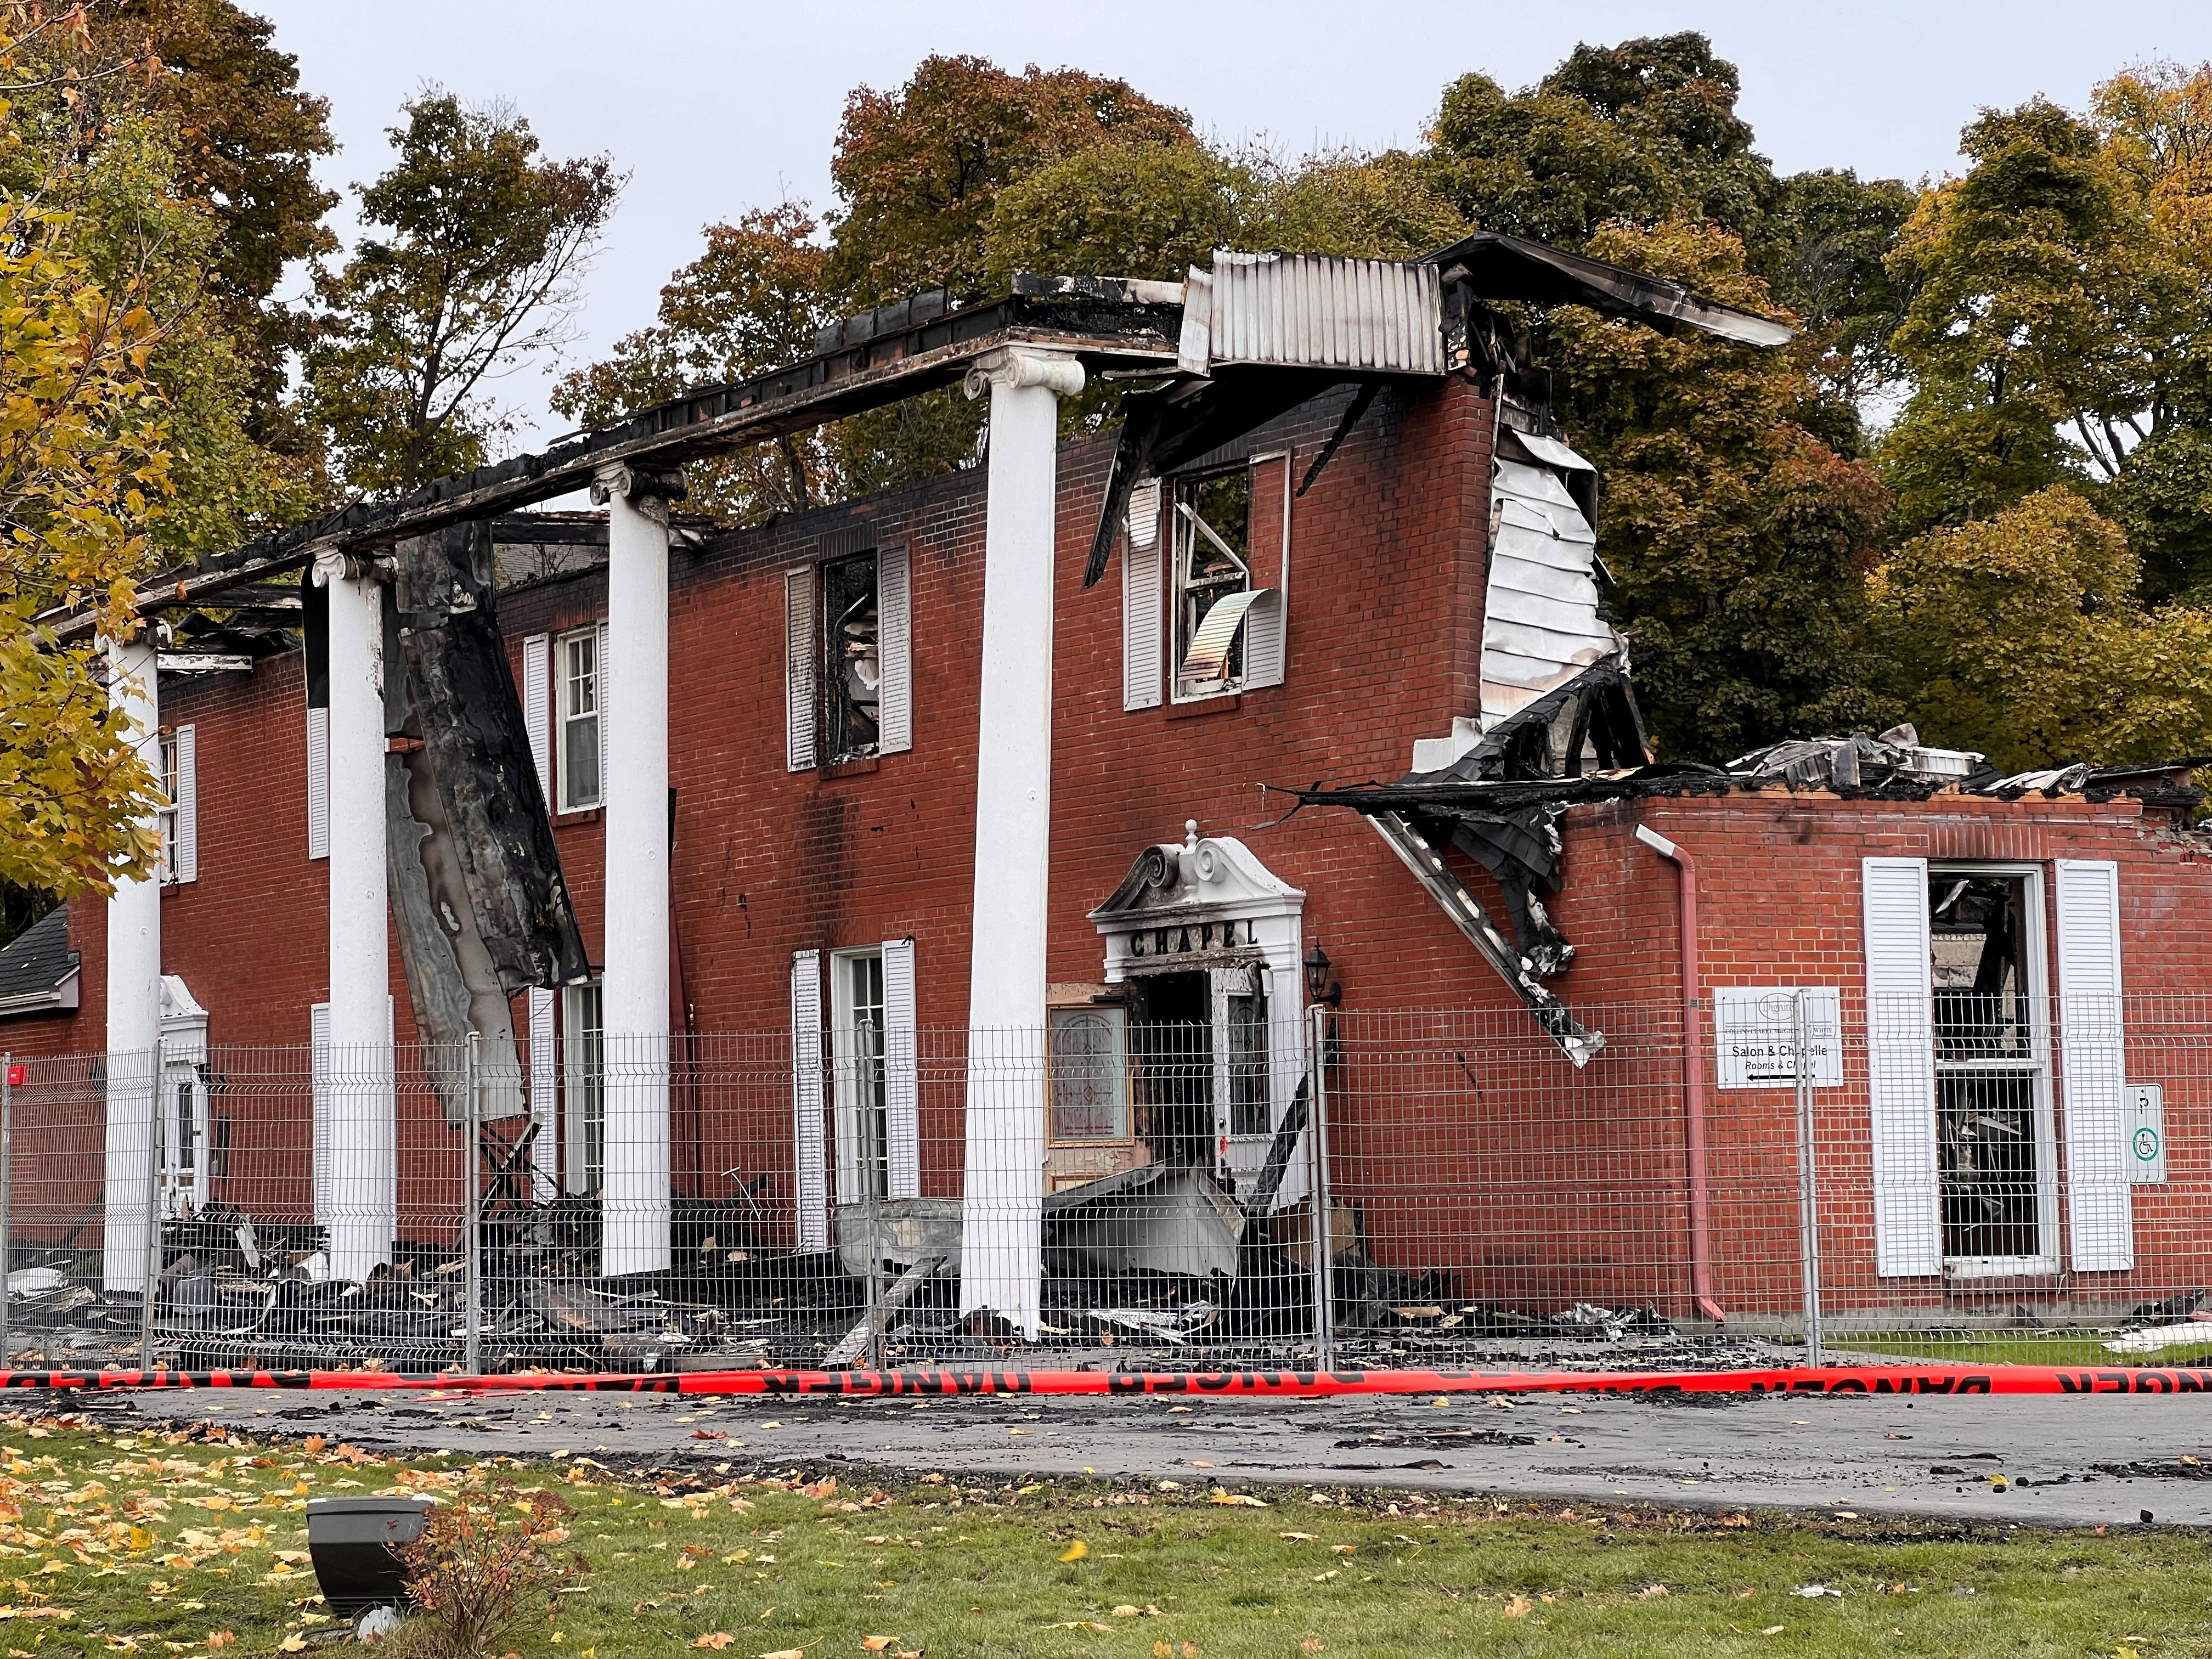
<point>584,1063</point>
<point>851,667</point>
<point>856,1049</point>
<point>580,746</point>
<point>1089,1074</point>
<point>1213,581</point>
<point>1203,1064</point>
<point>1991,1075</point>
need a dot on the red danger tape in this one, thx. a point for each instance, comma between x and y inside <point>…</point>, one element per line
<point>939,1381</point>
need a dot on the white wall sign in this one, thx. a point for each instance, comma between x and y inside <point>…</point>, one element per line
<point>1754,1029</point>
<point>2146,1133</point>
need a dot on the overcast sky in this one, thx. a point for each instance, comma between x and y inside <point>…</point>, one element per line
<point>714,108</point>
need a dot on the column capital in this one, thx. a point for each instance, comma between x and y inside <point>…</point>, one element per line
<point>1018,366</point>
<point>648,491</point>
<point>337,564</point>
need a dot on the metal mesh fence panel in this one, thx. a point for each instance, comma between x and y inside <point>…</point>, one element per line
<point>1987,1175</point>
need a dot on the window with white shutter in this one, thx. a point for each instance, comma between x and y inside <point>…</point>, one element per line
<point>1232,550</point>
<point>1140,599</point>
<point>318,783</point>
<point>545,1085</point>
<point>1901,1068</point>
<point>180,818</point>
<point>902,1071</point>
<point>810,1151</point>
<point>895,598</point>
<point>798,669</point>
<point>2093,1052</point>
<point>537,707</point>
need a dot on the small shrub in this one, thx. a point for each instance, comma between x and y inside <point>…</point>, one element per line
<point>484,1569</point>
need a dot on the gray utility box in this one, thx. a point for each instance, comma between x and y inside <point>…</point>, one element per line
<point>350,1540</point>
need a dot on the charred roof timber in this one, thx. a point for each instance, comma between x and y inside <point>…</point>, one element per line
<point>1276,329</point>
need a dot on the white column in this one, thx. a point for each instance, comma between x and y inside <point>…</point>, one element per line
<point>1002,1250</point>
<point>360,1191</point>
<point>134,995</point>
<point>633,1197</point>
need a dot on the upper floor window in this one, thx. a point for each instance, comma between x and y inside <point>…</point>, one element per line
<point>578,667</point>
<point>847,669</point>
<point>851,659</point>
<point>1214,581</point>
<point>179,814</point>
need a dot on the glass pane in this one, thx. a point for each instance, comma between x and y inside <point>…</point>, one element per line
<point>579,762</point>
<point>1089,1074</point>
<point>1247,1065</point>
<point>1987,1122</point>
<point>581,690</point>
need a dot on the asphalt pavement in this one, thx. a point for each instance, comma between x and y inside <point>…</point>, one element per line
<point>2075,1460</point>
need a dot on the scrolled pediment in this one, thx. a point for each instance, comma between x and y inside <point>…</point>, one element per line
<point>1210,876</point>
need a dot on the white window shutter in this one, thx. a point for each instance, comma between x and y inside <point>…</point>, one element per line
<point>318,783</point>
<point>602,690</point>
<point>544,1153</point>
<point>2093,1045</point>
<point>1141,647</point>
<point>1908,1219</point>
<point>1263,639</point>
<point>538,715</point>
<point>895,650</point>
<point>811,1157</point>
<point>798,668</point>
<point>188,805</point>
<point>318,1072</point>
<point>902,1073</point>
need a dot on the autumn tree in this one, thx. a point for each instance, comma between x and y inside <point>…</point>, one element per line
<point>751,303</point>
<point>2022,636</point>
<point>84,462</point>
<point>475,274</point>
<point>1738,540</point>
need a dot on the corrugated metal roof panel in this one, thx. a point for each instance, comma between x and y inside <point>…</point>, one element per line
<point>1375,315</point>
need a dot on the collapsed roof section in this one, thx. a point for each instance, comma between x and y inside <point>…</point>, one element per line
<point>1274,331</point>
<point>1500,805</point>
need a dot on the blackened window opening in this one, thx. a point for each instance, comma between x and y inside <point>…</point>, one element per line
<point>1987,1065</point>
<point>1209,567</point>
<point>1173,1038</point>
<point>852,668</point>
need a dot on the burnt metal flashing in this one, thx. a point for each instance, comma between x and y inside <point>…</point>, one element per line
<point>1498,267</point>
<point>1418,855</point>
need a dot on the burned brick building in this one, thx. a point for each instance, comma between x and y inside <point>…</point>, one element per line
<point>976,854</point>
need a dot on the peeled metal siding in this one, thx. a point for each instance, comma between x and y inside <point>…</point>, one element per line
<point>1373,314</point>
<point>1540,622</point>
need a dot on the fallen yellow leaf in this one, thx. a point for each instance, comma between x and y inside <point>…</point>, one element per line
<point>1076,1551</point>
<point>1519,1607</point>
<point>785,1653</point>
<point>878,1643</point>
<point>1312,1643</point>
<point>716,1639</point>
<point>295,1643</point>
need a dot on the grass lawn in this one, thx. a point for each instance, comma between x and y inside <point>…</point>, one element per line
<point>161,1544</point>
<point>2022,1348</point>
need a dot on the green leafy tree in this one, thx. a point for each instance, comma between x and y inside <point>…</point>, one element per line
<point>1738,540</point>
<point>751,303</point>
<point>476,275</point>
<point>2060,328</point>
<point>2022,636</point>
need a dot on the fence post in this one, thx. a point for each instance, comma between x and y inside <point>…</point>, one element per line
<point>1324,1298</point>
<point>472,1223</point>
<point>152,1284</point>
<point>1809,1203</point>
<point>7,1187</point>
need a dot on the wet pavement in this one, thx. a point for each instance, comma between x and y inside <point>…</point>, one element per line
<point>2062,1460</point>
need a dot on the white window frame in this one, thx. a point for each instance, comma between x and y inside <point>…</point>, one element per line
<point>584,1089</point>
<point>565,715</point>
<point>860,1076</point>
<point>2035,956</point>
<point>1260,622</point>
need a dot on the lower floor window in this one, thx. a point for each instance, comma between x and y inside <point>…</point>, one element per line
<point>583,1086</point>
